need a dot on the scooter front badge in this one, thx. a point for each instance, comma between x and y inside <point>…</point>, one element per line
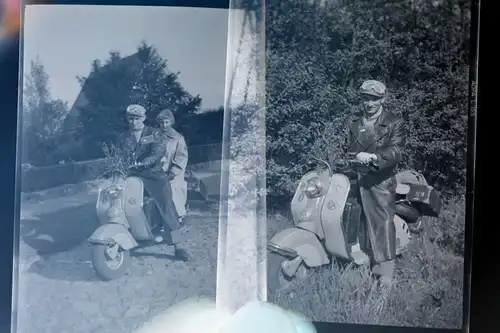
<point>332,205</point>
<point>305,215</point>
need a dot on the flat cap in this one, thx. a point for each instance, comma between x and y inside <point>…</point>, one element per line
<point>373,88</point>
<point>136,110</point>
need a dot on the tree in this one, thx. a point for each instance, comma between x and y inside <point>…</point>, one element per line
<point>157,88</point>
<point>319,53</point>
<point>142,78</point>
<point>202,128</point>
<point>42,118</point>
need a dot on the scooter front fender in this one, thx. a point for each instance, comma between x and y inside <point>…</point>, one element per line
<point>302,243</point>
<point>113,233</point>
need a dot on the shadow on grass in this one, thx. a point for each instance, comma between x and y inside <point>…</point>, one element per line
<point>61,230</point>
<point>64,270</point>
<point>145,254</point>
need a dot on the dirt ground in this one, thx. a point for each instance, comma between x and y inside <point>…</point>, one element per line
<point>59,290</point>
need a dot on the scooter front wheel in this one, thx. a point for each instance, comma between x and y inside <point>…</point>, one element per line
<point>276,280</point>
<point>110,261</point>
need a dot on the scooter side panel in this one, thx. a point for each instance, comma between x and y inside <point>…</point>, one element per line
<point>305,211</point>
<point>304,242</point>
<point>114,232</point>
<point>133,204</point>
<point>331,216</point>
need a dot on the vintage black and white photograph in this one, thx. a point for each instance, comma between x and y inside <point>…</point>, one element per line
<point>121,116</point>
<point>366,125</point>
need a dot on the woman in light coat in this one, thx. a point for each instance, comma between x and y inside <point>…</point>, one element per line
<point>175,161</point>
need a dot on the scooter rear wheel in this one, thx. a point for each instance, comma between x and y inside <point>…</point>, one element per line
<point>110,268</point>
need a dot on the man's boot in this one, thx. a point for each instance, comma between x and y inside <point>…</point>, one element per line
<point>181,254</point>
<point>385,273</point>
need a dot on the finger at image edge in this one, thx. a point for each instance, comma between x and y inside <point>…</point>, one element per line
<point>266,318</point>
<point>193,315</point>
<point>201,315</point>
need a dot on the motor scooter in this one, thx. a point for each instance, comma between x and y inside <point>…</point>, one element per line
<point>326,216</point>
<point>128,219</point>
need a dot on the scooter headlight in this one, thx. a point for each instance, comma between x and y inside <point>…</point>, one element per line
<point>114,212</point>
<point>313,188</point>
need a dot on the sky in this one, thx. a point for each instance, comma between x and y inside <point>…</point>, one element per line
<point>68,38</point>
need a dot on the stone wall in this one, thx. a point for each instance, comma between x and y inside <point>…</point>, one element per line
<point>42,178</point>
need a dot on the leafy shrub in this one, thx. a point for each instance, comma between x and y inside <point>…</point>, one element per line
<point>319,54</point>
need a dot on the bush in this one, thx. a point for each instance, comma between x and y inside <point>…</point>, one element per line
<point>35,179</point>
<point>319,54</point>
<point>449,230</point>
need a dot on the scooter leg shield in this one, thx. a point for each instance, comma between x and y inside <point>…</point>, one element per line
<point>303,243</point>
<point>113,233</point>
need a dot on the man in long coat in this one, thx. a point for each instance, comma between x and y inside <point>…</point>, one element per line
<point>145,146</point>
<point>377,136</point>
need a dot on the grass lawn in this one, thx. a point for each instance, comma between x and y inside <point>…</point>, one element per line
<point>429,281</point>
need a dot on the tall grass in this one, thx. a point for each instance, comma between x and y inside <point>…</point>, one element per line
<point>429,281</point>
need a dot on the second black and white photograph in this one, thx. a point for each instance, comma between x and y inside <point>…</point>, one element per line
<point>121,122</point>
<point>367,113</point>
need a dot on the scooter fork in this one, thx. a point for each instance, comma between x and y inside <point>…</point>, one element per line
<point>112,251</point>
<point>294,268</point>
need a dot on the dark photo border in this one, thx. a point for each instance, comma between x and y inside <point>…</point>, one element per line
<point>474,316</point>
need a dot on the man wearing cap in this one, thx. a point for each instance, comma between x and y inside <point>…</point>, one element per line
<point>146,147</point>
<point>175,161</point>
<point>377,137</point>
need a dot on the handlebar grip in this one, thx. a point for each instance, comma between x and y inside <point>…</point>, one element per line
<point>370,165</point>
<point>351,156</point>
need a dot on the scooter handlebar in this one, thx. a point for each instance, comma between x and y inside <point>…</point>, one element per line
<point>323,162</point>
<point>122,172</point>
<point>113,173</point>
<point>350,162</point>
<point>356,164</point>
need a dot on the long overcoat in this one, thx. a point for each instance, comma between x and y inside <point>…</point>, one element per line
<point>175,162</point>
<point>377,189</point>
